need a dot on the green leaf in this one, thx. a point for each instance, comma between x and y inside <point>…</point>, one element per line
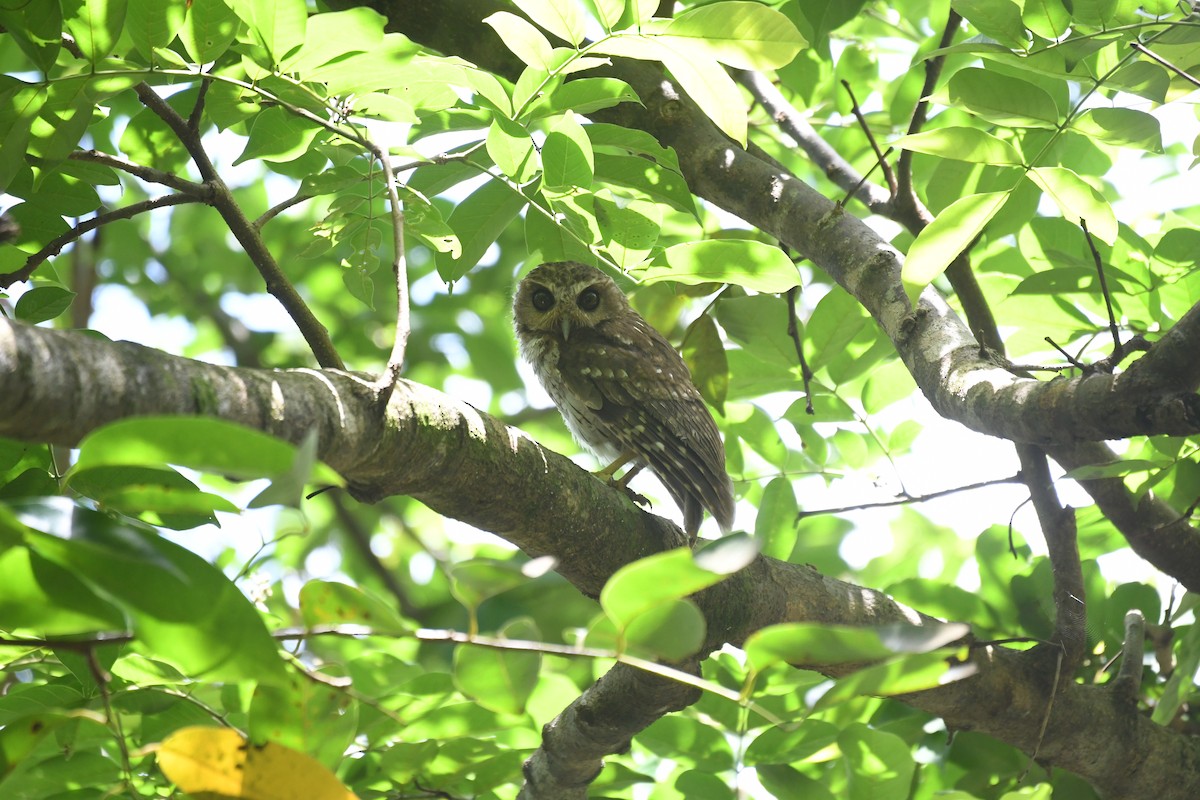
<point>20,104</point>
<point>656,182</point>
<point>478,221</point>
<point>1114,469</point>
<point>878,764</point>
<point>606,12</point>
<point>39,596</point>
<point>139,490</point>
<point>333,603</point>
<point>42,303</point>
<point>1123,127</point>
<point>585,95</point>
<point>671,631</point>
<point>1077,201</point>
<point>524,40</point>
<point>95,24</point>
<point>510,146</point>
<point>208,29</point>
<point>649,582</point>
<point>815,644</point>
<point>946,237</point>
<point>962,144</point>
<point>306,715</point>
<point>629,230</point>
<point>834,323</point>
<point>996,19</point>
<point>744,35</point>
<point>704,353</point>
<point>152,24</point>
<point>1002,99</point>
<point>183,610</point>
<point>563,19</point>
<point>775,524</point>
<point>472,582</point>
<point>567,159</point>
<point>745,262</point>
<point>278,25</point>
<point>205,444</point>
<point>332,35</point>
<point>278,135</point>
<point>499,680</point>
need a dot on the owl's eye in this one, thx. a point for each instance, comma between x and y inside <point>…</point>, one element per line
<point>543,299</point>
<point>588,299</point>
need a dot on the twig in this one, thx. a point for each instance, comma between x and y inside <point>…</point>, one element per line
<point>1141,48</point>
<point>275,281</point>
<point>888,175</point>
<point>1112,318</point>
<point>277,209</point>
<point>1074,362</point>
<point>907,498</point>
<point>102,679</point>
<point>1045,719</point>
<point>55,246</point>
<point>826,158</point>
<point>906,195</point>
<point>863,180</point>
<point>793,329</point>
<point>148,174</point>
<point>391,372</point>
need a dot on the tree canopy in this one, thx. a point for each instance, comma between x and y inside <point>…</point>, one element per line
<point>317,534</point>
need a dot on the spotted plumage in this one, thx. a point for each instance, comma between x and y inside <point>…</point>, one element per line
<point>622,389</point>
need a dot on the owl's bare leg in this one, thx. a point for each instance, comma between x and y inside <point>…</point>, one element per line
<point>608,472</point>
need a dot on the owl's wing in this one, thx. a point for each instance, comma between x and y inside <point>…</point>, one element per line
<point>642,393</point>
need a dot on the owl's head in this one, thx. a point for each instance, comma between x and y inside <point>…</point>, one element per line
<point>562,296</point>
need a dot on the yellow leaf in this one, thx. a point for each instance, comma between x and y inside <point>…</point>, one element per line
<point>218,762</point>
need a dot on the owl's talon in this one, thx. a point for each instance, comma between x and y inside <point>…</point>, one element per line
<point>640,499</point>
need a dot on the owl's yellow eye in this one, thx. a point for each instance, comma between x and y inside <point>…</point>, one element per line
<point>543,299</point>
<point>588,299</point>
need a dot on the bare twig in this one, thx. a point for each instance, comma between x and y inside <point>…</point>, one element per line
<point>277,209</point>
<point>148,174</point>
<point>1074,362</point>
<point>908,498</point>
<point>1141,48</point>
<point>793,329</point>
<point>906,195</point>
<point>55,246</point>
<point>888,175</point>
<point>1112,317</point>
<point>391,372</point>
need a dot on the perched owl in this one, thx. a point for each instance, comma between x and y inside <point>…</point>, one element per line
<point>622,389</point>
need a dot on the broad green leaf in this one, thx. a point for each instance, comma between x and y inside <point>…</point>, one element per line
<point>951,233</point>
<point>778,745</point>
<point>20,104</point>
<point>478,221</point>
<point>834,323</point>
<point>567,159</point>
<point>775,524</point>
<point>562,18</point>
<point>672,630</point>
<point>745,35</point>
<point>183,610</point>
<point>510,146</point>
<point>704,353</point>
<point>332,35</point>
<point>585,95</point>
<point>424,83</point>
<point>152,24</point>
<point>728,554</point>
<point>523,39</point>
<point>649,582</point>
<point>1123,127</point>
<point>1047,18</point>
<point>878,764</point>
<point>606,12</point>
<point>962,144</point>
<point>1002,99</point>
<point>1077,201</point>
<point>744,262</point>
<point>95,24</point>
<point>997,19</point>
<point>43,303</point>
<point>205,444</point>
<point>658,183</point>
<point>140,490</point>
<point>901,675</point>
<point>334,603</point>
<point>279,25</point>
<point>1114,469</point>
<point>208,29</point>
<point>219,762</point>
<point>814,644</point>
<point>472,582</point>
<point>40,596</point>
<point>629,230</point>
<point>278,135</point>
<point>306,715</point>
<point>500,680</point>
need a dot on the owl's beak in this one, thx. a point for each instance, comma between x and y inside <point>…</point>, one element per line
<point>566,327</point>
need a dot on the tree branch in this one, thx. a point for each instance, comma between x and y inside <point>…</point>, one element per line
<point>58,386</point>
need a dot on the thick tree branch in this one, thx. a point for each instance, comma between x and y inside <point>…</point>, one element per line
<point>58,386</point>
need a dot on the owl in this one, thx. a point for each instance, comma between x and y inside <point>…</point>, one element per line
<point>622,389</point>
